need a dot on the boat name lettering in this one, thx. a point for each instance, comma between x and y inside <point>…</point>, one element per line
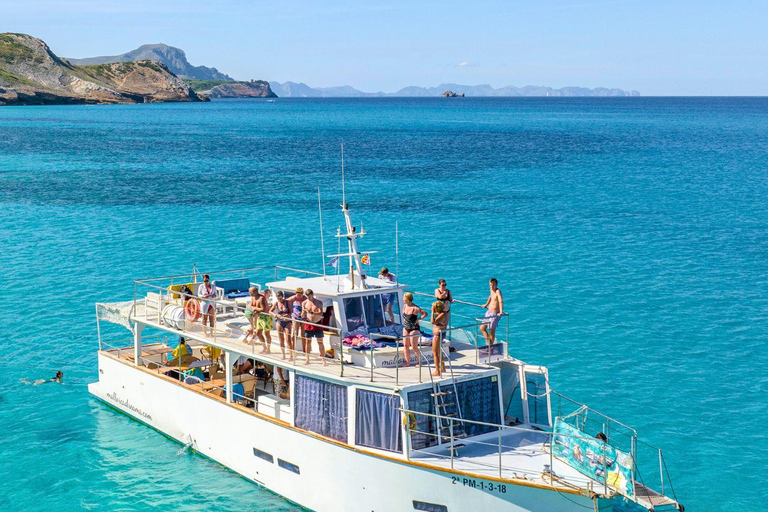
<point>479,484</point>
<point>125,403</point>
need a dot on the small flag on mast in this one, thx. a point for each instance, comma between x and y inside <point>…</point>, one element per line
<point>333,263</point>
<point>366,259</point>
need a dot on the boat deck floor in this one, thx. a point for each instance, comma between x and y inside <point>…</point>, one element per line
<point>462,361</point>
<point>524,456</point>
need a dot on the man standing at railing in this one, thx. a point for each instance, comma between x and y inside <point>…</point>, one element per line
<point>312,311</point>
<point>495,305</point>
<point>207,292</point>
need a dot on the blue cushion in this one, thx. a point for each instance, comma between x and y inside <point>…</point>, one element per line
<point>234,285</point>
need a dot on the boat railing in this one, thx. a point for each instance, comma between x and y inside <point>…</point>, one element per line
<point>155,311</point>
<point>450,441</point>
<point>468,331</point>
<point>159,362</point>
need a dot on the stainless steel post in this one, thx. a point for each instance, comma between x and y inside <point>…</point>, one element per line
<point>552,459</point>
<point>661,472</point>
<point>605,472</point>
<point>450,425</point>
<point>500,471</point>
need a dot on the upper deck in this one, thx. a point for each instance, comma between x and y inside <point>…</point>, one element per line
<point>159,304</point>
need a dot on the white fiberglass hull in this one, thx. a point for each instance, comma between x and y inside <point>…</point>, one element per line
<point>320,475</point>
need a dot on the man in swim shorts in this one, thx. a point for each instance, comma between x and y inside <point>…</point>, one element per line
<point>388,298</point>
<point>312,311</point>
<point>495,305</point>
<point>264,321</point>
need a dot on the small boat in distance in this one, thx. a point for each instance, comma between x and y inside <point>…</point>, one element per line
<point>359,427</point>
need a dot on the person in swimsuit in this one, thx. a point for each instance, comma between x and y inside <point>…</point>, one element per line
<point>264,322</point>
<point>411,333</point>
<point>388,298</point>
<point>207,292</point>
<point>495,305</point>
<point>439,321</point>
<point>281,312</point>
<point>295,301</point>
<point>251,314</point>
<point>313,312</point>
<point>443,294</point>
<point>57,378</point>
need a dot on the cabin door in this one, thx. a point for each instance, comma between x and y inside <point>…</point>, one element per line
<point>536,386</point>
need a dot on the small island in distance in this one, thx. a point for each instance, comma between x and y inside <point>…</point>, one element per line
<point>31,74</point>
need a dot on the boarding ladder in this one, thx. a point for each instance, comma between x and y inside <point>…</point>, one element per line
<point>447,405</point>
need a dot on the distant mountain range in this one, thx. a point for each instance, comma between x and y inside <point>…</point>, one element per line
<point>174,59</point>
<point>30,73</point>
<point>302,90</point>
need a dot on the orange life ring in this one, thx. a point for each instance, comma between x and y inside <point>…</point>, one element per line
<point>192,310</point>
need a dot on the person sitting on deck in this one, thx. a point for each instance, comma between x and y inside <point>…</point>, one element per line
<point>495,305</point>
<point>295,301</point>
<point>243,365</point>
<point>312,311</point>
<point>207,292</point>
<point>182,349</point>
<point>251,313</point>
<point>264,322</point>
<point>439,321</point>
<point>411,331</point>
<point>388,298</point>
<point>281,312</point>
<point>281,378</point>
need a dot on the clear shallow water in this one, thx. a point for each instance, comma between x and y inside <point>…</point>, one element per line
<point>630,238</point>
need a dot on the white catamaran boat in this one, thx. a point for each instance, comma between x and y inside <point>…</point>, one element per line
<point>353,429</point>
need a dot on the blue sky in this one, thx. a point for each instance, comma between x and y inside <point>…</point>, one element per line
<point>656,47</point>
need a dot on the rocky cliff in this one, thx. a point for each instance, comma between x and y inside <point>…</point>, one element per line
<point>31,74</point>
<point>251,89</point>
<point>173,58</point>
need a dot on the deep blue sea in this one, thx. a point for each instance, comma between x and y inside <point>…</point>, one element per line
<point>629,236</point>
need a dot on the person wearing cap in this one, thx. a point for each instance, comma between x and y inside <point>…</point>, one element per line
<point>312,311</point>
<point>388,298</point>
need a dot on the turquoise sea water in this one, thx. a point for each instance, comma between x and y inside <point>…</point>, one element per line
<point>629,236</point>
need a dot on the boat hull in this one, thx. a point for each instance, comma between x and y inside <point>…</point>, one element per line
<point>315,473</point>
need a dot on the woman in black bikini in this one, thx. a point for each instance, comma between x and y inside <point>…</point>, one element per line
<point>443,294</point>
<point>281,312</point>
<point>411,333</point>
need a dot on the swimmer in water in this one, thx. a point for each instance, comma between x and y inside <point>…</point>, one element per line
<point>57,378</point>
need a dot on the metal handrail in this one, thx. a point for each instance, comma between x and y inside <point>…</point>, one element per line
<point>245,269</point>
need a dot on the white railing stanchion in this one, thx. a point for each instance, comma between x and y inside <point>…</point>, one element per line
<point>552,459</point>
<point>500,469</point>
<point>450,425</point>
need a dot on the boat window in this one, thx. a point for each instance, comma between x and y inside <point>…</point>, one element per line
<point>353,311</point>
<point>429,507</point>
<point>378,421</point>
<point>425,433</point>
<point>263,455</point>
<point>287,465</point>
<point>321,407</point>
<point>374,315</point>
<point>477,400</point>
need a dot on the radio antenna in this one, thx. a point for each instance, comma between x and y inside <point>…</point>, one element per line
<point>343,191</point>
<point>397,257</point>
<point>322,240</point>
